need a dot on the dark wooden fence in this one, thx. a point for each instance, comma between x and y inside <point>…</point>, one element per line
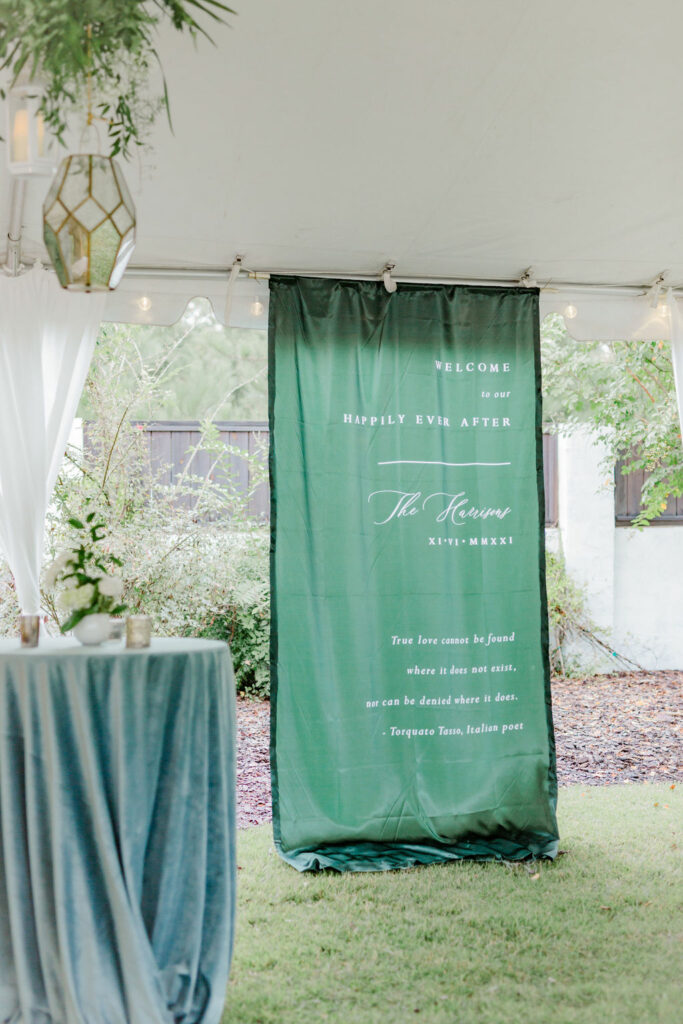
<point>627,503</point>
<point>170,443</point>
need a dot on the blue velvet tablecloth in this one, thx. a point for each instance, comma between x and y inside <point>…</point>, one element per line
<point>117,833</point>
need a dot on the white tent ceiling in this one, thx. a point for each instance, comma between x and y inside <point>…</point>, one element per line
<point>456,140</point>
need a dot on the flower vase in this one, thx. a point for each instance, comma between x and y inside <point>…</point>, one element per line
<point>92,629</point>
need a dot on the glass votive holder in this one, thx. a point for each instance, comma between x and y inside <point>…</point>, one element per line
<point>117,628</point>
<point>138,631</point>
<point>29,630</point>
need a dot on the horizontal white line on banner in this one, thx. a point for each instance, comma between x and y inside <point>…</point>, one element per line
<point>420,462</point>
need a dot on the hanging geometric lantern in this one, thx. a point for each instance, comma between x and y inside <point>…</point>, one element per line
<point>89,223</point>
<point>30,148</point>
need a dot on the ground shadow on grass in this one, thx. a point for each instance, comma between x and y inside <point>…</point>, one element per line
<point>590,937</point>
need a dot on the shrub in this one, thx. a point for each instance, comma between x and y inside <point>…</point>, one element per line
<point>194,559</point>
<point>9,604</point>
<point>567,615</point>
<point>570,624</point>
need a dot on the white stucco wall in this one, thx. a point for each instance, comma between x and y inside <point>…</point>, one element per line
<point>648,595</point>
<point>633,579</point>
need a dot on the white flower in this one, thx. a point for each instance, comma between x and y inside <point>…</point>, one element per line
<point>56,568</point>
<point>83,596</point>
<point>110,586</point>
<point>64,600</point>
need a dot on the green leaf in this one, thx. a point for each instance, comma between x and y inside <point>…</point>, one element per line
<point>73,620</point>
<point>51,35</point>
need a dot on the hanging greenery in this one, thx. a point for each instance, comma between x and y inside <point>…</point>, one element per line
<point>69,44</point>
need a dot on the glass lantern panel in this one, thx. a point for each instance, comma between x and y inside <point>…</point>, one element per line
<point>20,122</point>
<point>89,214</point>
<point>56,183</point>
<point>104,186</point>
<point>56,216</point>
<point>52,246</point>
<point>122,218</point>
<point>124,254</point>
<point>123,188</point>
<point>29,144</point>
<point>76,185</point>
<point>73,242</point>
<point>40,135</point>
<point>104,246</point>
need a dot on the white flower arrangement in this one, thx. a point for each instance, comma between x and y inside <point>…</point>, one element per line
<point>92,588</point>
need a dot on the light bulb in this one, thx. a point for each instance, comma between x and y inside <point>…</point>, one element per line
<point>570,312</point>
<point>20,136</point>
<point>257,307</point>
<point>662,309</point>
<point>40,134</point>
<point>144,303</point>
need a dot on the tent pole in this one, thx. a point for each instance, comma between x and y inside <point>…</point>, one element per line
<point>222,274</point>
<point>13,264</point>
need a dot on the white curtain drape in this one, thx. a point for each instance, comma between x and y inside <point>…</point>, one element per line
<point>47,337</point>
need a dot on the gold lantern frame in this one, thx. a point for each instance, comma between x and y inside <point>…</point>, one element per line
<point>89,223</point>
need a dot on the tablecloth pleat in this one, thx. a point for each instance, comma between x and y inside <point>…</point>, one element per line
<point>117,834</point>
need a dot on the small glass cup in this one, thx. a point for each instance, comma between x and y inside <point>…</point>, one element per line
<point>117,628</point>
<point>29,629</point>
<point>138,631</point>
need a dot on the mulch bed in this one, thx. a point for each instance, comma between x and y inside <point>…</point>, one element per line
<point>608,729</point>
<point>620,728</point>
<point>253,762</point>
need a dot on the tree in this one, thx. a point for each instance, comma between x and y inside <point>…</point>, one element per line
<point>202,370</point>
<point>624,391</point>
<point>76,47</point>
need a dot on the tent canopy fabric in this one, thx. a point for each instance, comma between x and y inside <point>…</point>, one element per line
<point>456,140</point>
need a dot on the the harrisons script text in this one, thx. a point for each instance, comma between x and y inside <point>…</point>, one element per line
<point>453,508</point>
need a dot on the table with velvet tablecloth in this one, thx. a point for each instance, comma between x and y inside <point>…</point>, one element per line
<point>117,832</point>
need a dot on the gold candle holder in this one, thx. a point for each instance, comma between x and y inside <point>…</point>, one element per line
<point>29,629</point>
<point>138,631</point>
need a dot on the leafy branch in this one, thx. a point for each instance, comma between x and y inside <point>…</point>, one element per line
<point>69,44</point>
<point>624,393</point>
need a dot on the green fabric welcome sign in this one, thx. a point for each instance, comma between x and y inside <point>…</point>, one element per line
<point>411,704</point>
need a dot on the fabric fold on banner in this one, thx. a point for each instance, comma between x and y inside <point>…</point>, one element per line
<point>411,713</point>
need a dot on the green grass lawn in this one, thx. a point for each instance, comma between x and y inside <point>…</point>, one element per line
<point>594,937</point>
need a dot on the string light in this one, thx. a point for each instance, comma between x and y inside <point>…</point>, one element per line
<point>570,312</point>
<point>144,303</point>
<point>257,307</point>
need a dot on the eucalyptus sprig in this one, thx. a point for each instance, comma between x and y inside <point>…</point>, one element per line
<point>69,44</point>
